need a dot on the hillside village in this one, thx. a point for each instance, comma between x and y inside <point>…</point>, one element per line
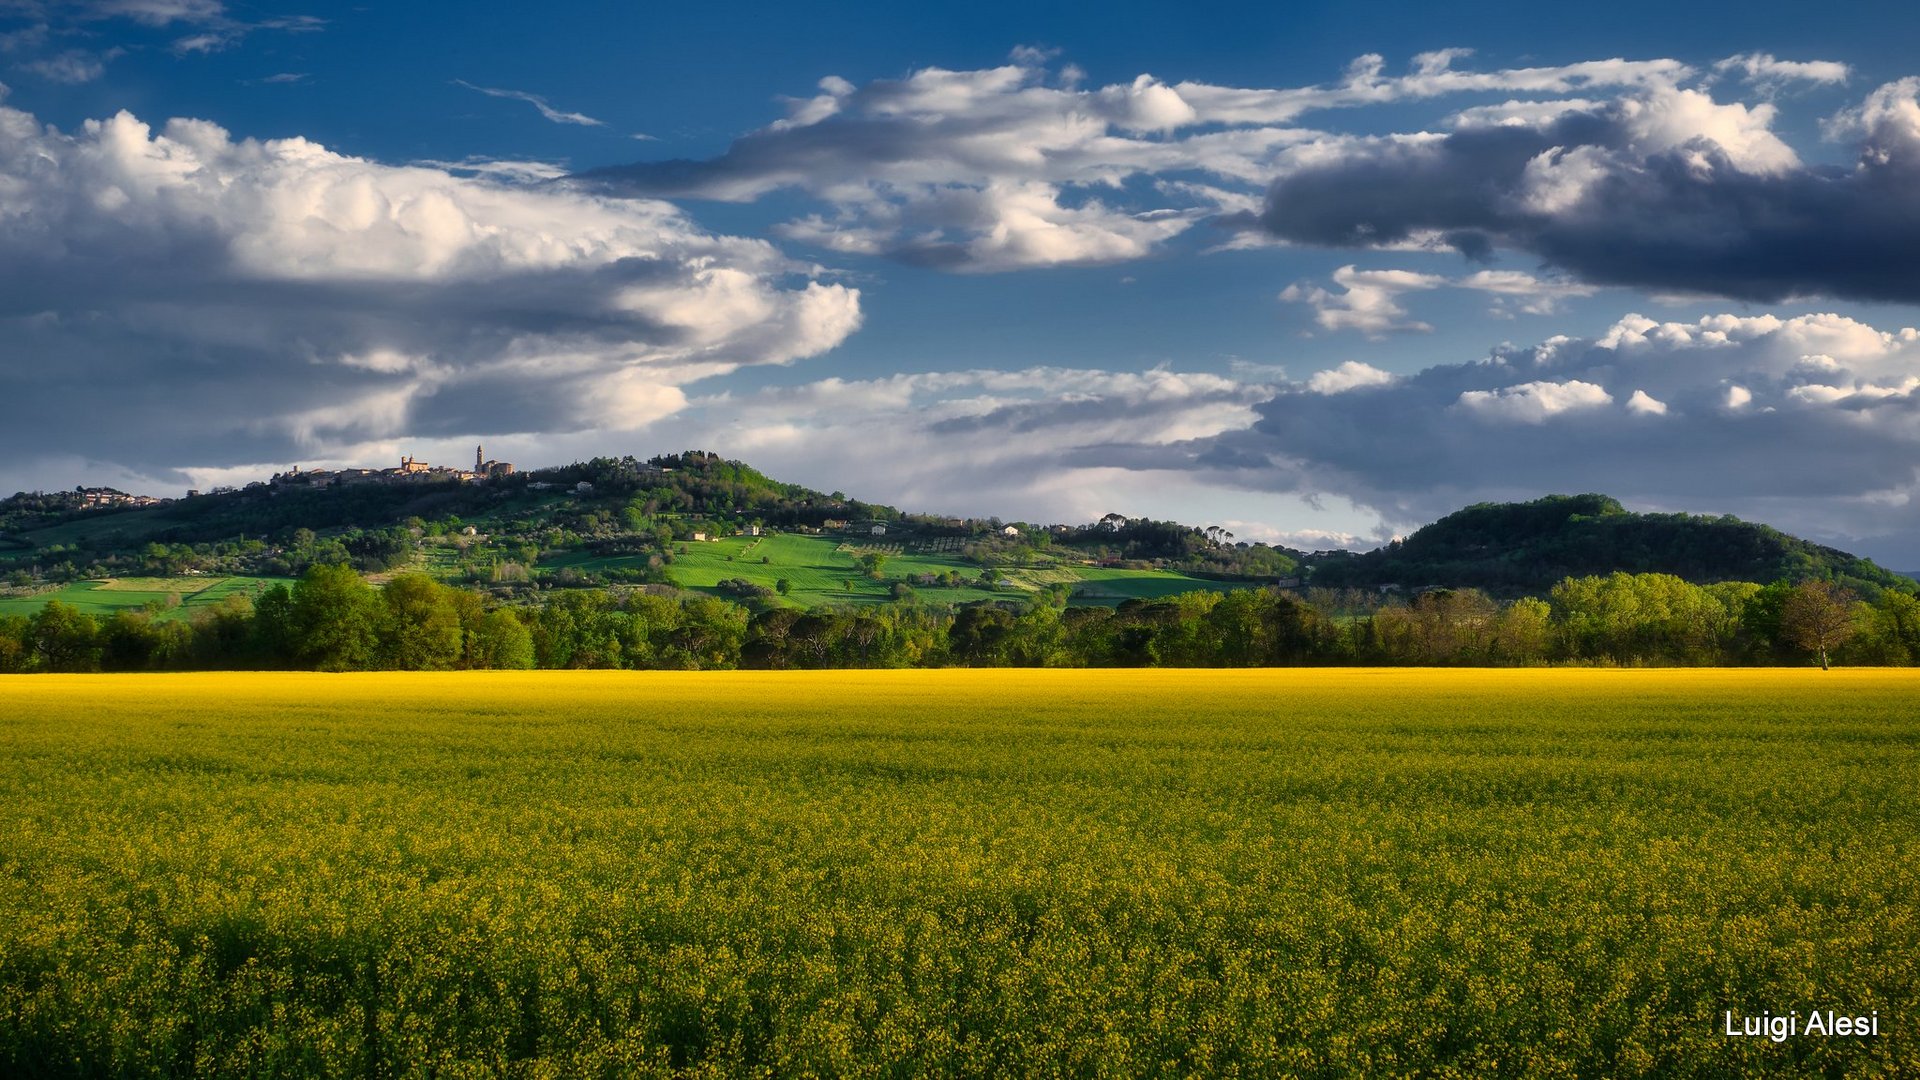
<point>409,471</point>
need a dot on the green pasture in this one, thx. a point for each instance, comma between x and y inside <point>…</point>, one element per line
<point>818,566</point>
<point>103,598</point>
<point>1111,585</point>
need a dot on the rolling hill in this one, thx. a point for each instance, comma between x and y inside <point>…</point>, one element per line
<point>698,521</point>
<point>1515,548</point>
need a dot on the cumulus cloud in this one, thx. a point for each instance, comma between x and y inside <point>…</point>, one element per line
<point>1350,375</point>
<point>216,301</point>
<point>1021,166</point>
<point>1665,189</point>
<point>1643,404</point>
<point>1811,423</point>
<point>1612,171</point>
<point>1534,402</point>
<point>1369,300</point>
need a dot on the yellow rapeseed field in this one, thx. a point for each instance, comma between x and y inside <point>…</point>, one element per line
<point>981,872</point>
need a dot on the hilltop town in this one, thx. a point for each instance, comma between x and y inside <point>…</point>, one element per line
<point>409,471</point>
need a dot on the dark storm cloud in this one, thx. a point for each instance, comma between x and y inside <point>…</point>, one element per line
<point>1604,198</point>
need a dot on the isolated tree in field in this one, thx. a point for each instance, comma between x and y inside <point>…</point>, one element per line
<point>1818,617</point>
<point>783,586</point>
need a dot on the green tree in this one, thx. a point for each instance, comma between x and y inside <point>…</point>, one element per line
<point>1896,627</point>
<point>336,619</point>
<point>131,641</point>
<point>501,641</point>
<point>1523,631</point>
<point>421,630</point>
<point>222,631</point>
<point>64,638</point>
<point>15,648</point>
<point>275,642</point>
<point>783,586</point>
<point>981,634</point>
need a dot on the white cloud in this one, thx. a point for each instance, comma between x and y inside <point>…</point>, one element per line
<point>1534,402</point>
<point>556,115</point>
<point>1810,423</point>
<point>1043,443</point>
<point>1516,112</point>
<point>154,12</point>
<point>1369,300</point>
<point>1009,167</point>
<point>1351,375</point>
<point>1668,120</point>
<point>1643,405</point>
<point>300,302</point>
<point>1763,70</point>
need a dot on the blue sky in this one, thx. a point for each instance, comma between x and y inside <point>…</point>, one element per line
<point>1037,261</point>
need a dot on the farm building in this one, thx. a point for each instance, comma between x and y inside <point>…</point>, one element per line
<point>1009,531</point>
<point>879,530</point>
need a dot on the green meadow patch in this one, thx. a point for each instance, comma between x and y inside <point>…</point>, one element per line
<point>176,597</point>
<point>828,570</point>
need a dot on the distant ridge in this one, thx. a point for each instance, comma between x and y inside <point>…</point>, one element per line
<point>1507,549</point>
<point>1526,547</point>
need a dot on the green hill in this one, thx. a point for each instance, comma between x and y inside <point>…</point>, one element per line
<point>1515,548</point>
<point>693,520</point>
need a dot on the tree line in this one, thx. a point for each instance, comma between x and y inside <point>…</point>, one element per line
<point>333,619</point>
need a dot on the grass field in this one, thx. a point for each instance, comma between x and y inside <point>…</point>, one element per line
<point>820,566</point>
<point>817,566</point>
<point>985,873</point>
<point>103,598</point>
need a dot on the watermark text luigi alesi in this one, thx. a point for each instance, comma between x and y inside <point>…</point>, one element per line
<point>1817,1022</point>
